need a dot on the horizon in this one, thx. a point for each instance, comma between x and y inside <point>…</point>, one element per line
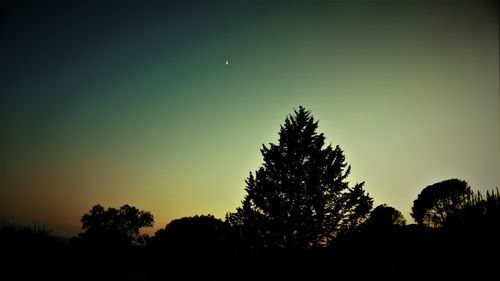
<point>165,106</point>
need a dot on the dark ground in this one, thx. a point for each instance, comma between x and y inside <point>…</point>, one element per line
<point>406,253</point>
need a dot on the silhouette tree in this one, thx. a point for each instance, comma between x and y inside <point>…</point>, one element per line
<point>193,235</point>
<point>481,212</point>
<point>300,198</point>
<point>383,217</point>
<point>437,202</point>
<point>115,226</point>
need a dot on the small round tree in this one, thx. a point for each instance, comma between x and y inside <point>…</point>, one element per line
<point>384,216</point>
<point>115,226</point>
<point>300,197</point>
<point>436,203</point>
<point>193,236</point>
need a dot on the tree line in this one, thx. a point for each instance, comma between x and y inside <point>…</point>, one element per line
<point>300,219</point>
<point>300,199</point>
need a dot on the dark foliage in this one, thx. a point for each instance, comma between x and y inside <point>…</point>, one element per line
<point>196,249</point>
<point>31,252</point>
<point>114,227</point>
<point>300,198</point>
<point>480,213</point>
<point>437,202</point>
<point>198,234</point>
<point>384,217</point>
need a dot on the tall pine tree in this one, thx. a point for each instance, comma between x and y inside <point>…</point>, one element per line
<point>300,198</point>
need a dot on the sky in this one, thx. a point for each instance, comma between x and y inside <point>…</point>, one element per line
<point>132,102</point>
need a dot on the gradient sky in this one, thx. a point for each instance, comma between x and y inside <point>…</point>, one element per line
<point>126,102</point>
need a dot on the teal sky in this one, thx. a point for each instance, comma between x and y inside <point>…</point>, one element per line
<point>118,102</point>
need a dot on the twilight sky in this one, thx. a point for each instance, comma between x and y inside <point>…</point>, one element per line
<point>131,102</point>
